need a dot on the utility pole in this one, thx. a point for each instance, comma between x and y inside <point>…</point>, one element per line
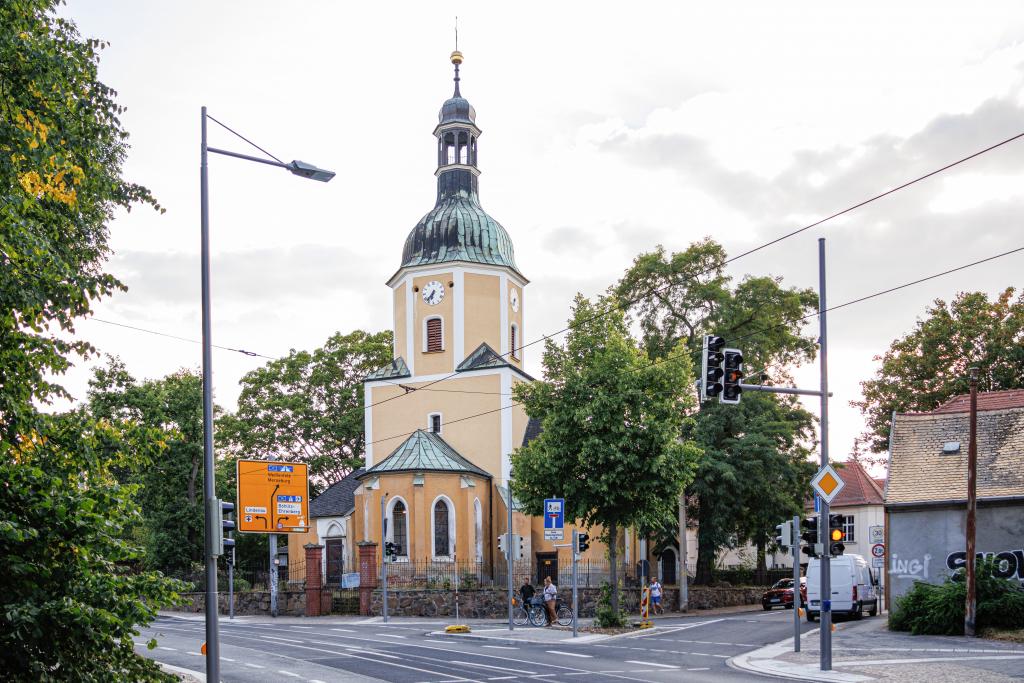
<point>575,600</point>
<point>508,555</point>
<point>972,509</point>
<point>826,577</point>
<point>684,577</point>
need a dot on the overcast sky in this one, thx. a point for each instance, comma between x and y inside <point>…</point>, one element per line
<point>608,129</point>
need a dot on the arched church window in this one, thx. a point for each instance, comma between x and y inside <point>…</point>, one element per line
<point>400,528</point>
<point>442,529</point>
<point>434,335</point>
<point>478,528</point>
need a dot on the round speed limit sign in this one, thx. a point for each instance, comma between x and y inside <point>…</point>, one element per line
<point>878,550</point>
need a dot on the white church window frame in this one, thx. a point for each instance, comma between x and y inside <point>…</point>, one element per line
<point>390,536</point>
<point>440,422</point>
<point>478,530</point>
<point>450,557</point>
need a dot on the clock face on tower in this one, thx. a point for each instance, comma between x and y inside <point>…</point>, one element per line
<point>433,292</point>
<point>513,298</point>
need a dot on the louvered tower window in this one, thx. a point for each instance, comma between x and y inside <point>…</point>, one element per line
<point>514,341</point>
<point>435,335</point>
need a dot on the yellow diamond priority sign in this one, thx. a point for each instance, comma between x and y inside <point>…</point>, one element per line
<point>827,483</point>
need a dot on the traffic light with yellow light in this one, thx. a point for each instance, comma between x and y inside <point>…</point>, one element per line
<point>836,535</point>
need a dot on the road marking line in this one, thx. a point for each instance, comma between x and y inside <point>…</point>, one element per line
<point>253,666</point>
<point>389,635</point>
<point>502,647</point>
<point>288,673</point>
<point>172,649</point>
<point>569,654</point>
<point>662,666</point>
<point>227,659</point>
<point>343,630</point>
<point>490,666</point>
<point>287,640</point>
<point>702,668</point>
<point>197,654</point>
<point>316,680</point>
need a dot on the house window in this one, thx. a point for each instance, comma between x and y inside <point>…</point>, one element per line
<point>514,340</point>
<point>848,526</point>
<point>435,335</point>
<point>434,423</point>
<point>400,528</point>
<point>442,529</point>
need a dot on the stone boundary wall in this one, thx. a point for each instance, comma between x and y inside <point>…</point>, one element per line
<point>289,603</point>
<point>473,604</point>
<point>491,604</point>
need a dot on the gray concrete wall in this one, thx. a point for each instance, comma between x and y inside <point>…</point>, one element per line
<point>928,544</point>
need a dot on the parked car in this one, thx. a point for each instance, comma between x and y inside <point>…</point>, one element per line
<point>854,587</point>
<point>781,594</point>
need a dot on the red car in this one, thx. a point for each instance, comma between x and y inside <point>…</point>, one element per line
<point>781,594</point>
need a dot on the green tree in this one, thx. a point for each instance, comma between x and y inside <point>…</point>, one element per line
<point>612,422</point>
<point>72,593</point>
<point>675,300</point>
<point>171,487</point>
<point>61,152</point>
<point>308,406</point>
<point>928,366</point>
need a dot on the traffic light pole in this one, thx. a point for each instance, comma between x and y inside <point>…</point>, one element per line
<point>797,601</point>
<point>509,561</point>
<point>575,602</point>
<point>826,576</point>
<point>383,555</point>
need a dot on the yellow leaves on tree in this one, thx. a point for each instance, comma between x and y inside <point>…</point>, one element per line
<point>58,178</point>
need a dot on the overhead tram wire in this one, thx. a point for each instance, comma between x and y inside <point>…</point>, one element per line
<point>657,290</point>
<point>679,356</point>
<point>184,339</point>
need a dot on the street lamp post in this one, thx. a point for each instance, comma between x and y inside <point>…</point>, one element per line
<point>298,168</point>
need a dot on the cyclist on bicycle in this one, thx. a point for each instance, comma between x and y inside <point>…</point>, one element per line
<point>526,593</point>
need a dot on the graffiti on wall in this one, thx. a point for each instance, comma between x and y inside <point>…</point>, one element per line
<point>1009,564</point>
<point>910,569</point>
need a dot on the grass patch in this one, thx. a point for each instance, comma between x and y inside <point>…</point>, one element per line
<point>1009,635</point>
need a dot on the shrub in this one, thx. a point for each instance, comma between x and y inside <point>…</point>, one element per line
<point>604,615</point>
<point>929,609</point>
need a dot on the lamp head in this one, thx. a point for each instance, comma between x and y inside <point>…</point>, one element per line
<point>305,170</point>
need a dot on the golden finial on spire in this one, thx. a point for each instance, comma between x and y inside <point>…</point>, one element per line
<point>456,55</point>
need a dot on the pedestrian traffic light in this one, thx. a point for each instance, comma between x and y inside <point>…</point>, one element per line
<point>221,526</point>
<point>501,544</point>
<point>711,367</point>
<point>733,365</point>
<point>391,550</point>
<point>784,534</point>
<point>809,535</point>
<point>582,542</point>
<point>836,535</point>
<point>518,547</point>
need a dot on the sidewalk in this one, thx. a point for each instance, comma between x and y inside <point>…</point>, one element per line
<point>868,651</point>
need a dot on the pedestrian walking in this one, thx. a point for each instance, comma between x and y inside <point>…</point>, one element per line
<point>550,595</point>
<point>656,598</point>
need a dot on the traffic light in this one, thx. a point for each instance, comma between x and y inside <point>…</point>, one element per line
<point>809,535</point>
<point>391,550</point>
<point>836,536</point>
<point>222,526</point>
<point>733,364</point>
<point>519,547</point>
<point>711,367</point>
<point>784,534</point>
<point>582,542</point>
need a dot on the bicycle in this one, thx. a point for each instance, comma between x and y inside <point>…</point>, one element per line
<point>520,616</point>
<point>538,613</point>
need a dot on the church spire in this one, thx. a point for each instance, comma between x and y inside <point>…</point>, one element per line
<point>456,60</point>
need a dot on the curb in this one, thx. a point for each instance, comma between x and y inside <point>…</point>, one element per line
<point>169,668</point>
<point>762,661</point>
<point>507,640</point>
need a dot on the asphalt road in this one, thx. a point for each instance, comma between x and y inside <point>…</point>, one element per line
<point>404,652</point>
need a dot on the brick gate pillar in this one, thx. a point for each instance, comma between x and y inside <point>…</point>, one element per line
<point>314,578</point>
<point>367,575</point>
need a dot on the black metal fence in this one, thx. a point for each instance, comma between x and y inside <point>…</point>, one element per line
<point>467,575</point>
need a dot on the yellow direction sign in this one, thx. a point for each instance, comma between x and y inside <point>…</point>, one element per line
<point>827,483</point>
<point>273,497</point>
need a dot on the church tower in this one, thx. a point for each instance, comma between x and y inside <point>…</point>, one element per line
<point>440,420</point>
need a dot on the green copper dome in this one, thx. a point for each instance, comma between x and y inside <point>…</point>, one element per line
<point>457,228</point>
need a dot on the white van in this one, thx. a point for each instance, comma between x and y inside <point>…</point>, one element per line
<point>854,587</point>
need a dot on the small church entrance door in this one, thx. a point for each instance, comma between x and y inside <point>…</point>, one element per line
<point>547,565</point>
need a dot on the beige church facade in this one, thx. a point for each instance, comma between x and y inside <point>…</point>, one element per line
<point>441,423</point>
